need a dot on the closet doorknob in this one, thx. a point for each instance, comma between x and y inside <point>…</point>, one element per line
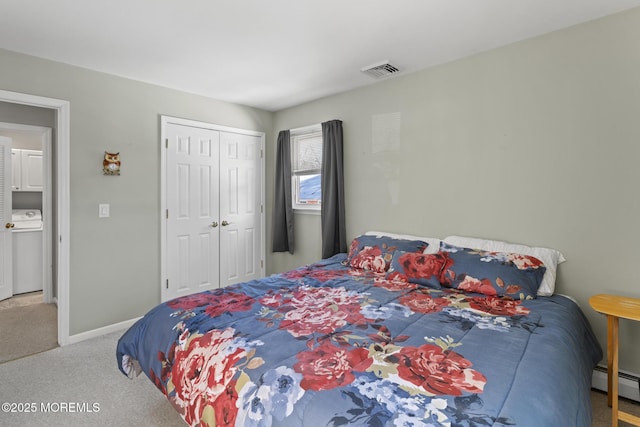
<point>225,223</point>
<point>9,225</point>
<point>214,224</point>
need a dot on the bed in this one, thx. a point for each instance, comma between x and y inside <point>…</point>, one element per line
<point>400,331</point>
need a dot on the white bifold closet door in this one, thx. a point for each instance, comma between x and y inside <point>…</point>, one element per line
<point>214,209</point>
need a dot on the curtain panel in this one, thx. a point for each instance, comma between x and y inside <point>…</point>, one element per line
<point>282,207</point>
<point>334,235</point>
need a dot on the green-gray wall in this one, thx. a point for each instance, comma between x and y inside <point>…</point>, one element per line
<point>537,142</point>
<point>115,262</point>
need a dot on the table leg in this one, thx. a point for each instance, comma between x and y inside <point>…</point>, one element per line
<point>609,357</point>
<point>612,355</point>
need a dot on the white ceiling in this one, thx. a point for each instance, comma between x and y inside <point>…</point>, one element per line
<point>273,54</point>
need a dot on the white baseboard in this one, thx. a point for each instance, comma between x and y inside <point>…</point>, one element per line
<point>107,330</point>
<point>627,387</point>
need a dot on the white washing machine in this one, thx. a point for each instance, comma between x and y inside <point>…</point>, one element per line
<point>27,250</point>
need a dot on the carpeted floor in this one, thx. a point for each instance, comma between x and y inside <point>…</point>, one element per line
<point>22,300</point>
<point>27,326</point>
<point>602,413</point>
<point>84,374</point>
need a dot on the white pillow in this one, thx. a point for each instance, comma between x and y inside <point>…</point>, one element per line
<point>434,243</point>
<point>550,257</point>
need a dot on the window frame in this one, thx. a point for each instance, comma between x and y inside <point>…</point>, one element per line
<point>295,136</point>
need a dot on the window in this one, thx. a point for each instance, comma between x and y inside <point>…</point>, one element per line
<point>306,164</point>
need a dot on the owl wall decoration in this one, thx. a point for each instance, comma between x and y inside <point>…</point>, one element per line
<point>111,163</point>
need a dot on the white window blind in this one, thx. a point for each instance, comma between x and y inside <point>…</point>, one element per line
<point>306,165</point>
<point>308,156</point>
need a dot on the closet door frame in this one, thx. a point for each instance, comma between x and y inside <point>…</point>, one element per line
<point>165,121</point>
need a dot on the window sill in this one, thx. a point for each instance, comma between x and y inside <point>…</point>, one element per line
<point>306,212</point>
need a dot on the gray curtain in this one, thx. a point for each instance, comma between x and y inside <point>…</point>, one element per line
<point>282,208</point>
<point>334,235</point>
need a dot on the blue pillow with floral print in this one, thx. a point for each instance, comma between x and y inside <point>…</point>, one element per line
<point>375,252</point>
<point>417,267</point>
<point>503,274</point>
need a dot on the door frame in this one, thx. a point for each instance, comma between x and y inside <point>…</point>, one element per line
<point>6,234</point>
<point>62,190</point>
<point>45,137</point>
<point>164,122</point>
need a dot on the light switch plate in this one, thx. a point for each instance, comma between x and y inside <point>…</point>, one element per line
<point>103,210</point>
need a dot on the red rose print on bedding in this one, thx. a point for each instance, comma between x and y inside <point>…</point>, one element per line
<point>369,258</point>
<point>498,306</point>
<point>425,266</point>
<point>316,310</point>
<point>328,366</point>
<point>229,302</point>
<point>303,322</point>
<point>225,406</point>
<point>471,284</point>
<point>190,302</point>
<point>423,302</point>
<point>438,371</point>
<point>394,282</point>
<point>216,303</point>
<point>204,367</point>
<point>524,261</point>
<point>317,273</point>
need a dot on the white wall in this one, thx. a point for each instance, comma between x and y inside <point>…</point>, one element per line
<point>537,142</point>
<point>115,262</point>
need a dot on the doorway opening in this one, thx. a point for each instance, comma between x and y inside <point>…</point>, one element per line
<point>33,216</point>
<point>28,308</point>
<point>59,192</point>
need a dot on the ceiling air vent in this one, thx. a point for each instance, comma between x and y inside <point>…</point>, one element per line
<point>380,70</point>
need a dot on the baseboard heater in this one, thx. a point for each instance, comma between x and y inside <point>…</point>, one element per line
<point>628,382</point>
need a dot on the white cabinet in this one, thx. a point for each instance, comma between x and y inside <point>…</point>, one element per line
<point>26,170</point>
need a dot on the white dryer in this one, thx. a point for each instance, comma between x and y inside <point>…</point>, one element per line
<point>28,250</point>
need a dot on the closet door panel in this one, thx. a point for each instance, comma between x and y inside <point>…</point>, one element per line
<point>192,234</point>
<point>240,207</point>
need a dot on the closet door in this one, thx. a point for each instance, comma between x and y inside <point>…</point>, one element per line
<point>213,206</point>
<point>240,208</point>
<point>192,230</point>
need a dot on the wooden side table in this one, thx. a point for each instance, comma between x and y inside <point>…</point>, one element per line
<point>615,307</point>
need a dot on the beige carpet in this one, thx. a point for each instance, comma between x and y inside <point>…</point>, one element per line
<point>602,413</point>
<point>21,300</point>
<point>27,326</point>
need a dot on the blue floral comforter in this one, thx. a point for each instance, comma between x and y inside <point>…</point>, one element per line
<point>330,345</point>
